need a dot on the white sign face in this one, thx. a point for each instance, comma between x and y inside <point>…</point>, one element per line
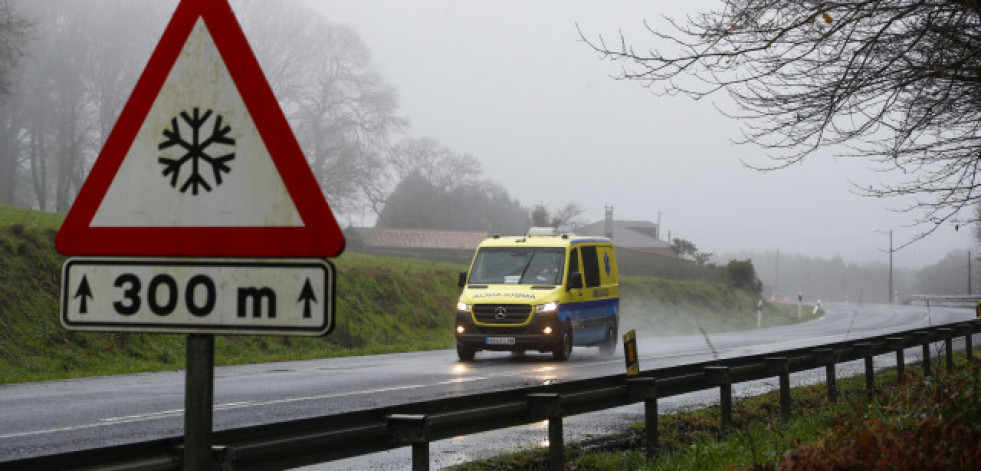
<point>212,296</point>
<point>198,159</point>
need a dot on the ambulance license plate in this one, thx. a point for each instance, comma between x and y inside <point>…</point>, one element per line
<point>500,340</point>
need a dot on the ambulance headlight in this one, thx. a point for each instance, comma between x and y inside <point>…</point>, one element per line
<point>462,307</point>
<point>547,308</point>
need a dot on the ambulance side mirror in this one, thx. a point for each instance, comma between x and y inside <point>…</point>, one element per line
<point>575,281</point>
<point>462,280</point>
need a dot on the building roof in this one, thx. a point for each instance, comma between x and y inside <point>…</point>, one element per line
<point>632,234</point>
<point>418,238</point>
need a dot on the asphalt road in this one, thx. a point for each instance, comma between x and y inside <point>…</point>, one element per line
<point>59,416</point>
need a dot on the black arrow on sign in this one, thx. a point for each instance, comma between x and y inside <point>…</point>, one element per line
<point>307,296</point>
<point>85,292</point>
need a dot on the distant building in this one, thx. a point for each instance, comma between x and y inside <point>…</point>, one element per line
<point>639,236</point>
<point>429,244</point>
<point>640,251</point>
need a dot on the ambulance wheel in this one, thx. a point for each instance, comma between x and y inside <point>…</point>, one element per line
<point>608,346</point>
<point>465,353</point>
<point>564,348</point>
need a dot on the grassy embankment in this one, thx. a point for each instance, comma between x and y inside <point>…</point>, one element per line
<point>383,305</point>
<point>920,424</point>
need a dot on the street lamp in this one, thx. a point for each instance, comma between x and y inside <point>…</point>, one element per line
<point>890,260</point>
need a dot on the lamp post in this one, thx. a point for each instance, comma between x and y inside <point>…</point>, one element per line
<point>890,260</point>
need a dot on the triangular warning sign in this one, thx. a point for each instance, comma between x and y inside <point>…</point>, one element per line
<point>202,162</point>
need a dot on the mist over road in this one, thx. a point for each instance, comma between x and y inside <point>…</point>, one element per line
<point>58,416</point>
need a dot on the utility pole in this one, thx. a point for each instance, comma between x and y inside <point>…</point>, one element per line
<point>776,273</point>
<point>890,267</point>
<point>889,298</point>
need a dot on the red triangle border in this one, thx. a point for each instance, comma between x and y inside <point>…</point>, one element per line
<point>319,237</point>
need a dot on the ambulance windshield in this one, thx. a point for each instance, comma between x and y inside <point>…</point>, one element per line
<point>525,265</point>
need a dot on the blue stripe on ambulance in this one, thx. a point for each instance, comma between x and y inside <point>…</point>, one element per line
<point>590,318</point>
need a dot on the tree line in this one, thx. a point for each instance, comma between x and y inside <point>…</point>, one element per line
<point>67,68</point>
<point>787,276</point>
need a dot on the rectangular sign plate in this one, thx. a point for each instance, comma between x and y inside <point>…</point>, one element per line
<point>210,296</point>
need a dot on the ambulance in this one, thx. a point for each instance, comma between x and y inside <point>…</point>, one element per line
<point>544,291</point>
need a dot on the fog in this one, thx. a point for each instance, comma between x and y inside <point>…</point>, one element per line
<point>512,83</point>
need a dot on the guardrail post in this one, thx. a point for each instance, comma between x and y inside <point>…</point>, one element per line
<point>719,375</point>
<point>646,389</point>
<point>969,342</point>
<point>828,357</point>
<point>866,348</point>
<point>412,429</point>
<point>549,406</point>
<point>224,457</point>
<point>948,335</point>
<point>781,367</point>
<point>924,337</point>
<point>899,343</point>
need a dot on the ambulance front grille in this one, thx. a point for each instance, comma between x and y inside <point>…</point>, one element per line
<point>501,313</point>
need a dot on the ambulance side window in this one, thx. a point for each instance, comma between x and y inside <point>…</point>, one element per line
<point>573,262</point>
<point>590,266</point>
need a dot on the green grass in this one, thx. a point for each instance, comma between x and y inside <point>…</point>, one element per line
<point>383,305</point>
<point>918,424</point>
<point>29,218</point>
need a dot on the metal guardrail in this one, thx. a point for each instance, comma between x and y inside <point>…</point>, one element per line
<point>956,300</point>
<point>321,439</point>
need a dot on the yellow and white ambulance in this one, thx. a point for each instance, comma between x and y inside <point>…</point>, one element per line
<point>544,291</point>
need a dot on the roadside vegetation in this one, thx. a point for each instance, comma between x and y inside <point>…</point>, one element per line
<point>383,305</point>
<point>656,306</point>
<point>918,424</point>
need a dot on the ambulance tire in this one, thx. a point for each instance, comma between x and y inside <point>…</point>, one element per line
<point>608,346</point>
<point>465,353</point>
<point>564,349</point>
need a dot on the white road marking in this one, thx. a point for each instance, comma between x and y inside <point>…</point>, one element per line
<point>226,406</point>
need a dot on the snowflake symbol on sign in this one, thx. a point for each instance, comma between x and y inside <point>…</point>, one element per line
<point>196,150</point>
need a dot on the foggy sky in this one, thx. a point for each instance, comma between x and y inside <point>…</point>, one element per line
<point>511,83</point>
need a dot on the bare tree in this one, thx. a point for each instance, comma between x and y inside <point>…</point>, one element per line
<point>81,62</point>
<point>443,167</point>
<point>564,219</point>
<point>14,33</point>
<point>342,112</point>
<point>895,82</point>
<point>684,248</point>
<point>56,107</point>
<point>416,163</point>
<point>84,59</point>
<point>479,205</point>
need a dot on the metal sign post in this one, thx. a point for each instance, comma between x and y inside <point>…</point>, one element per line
<point>201,215</point>
<point>199,389</point>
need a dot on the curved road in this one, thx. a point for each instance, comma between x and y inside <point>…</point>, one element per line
<point>58,416</point>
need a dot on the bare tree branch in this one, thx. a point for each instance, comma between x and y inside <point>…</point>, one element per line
<point>896,82</point>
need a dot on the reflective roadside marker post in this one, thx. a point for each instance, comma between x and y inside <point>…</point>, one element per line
<point>200,215</point>
<point>630,353</point>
